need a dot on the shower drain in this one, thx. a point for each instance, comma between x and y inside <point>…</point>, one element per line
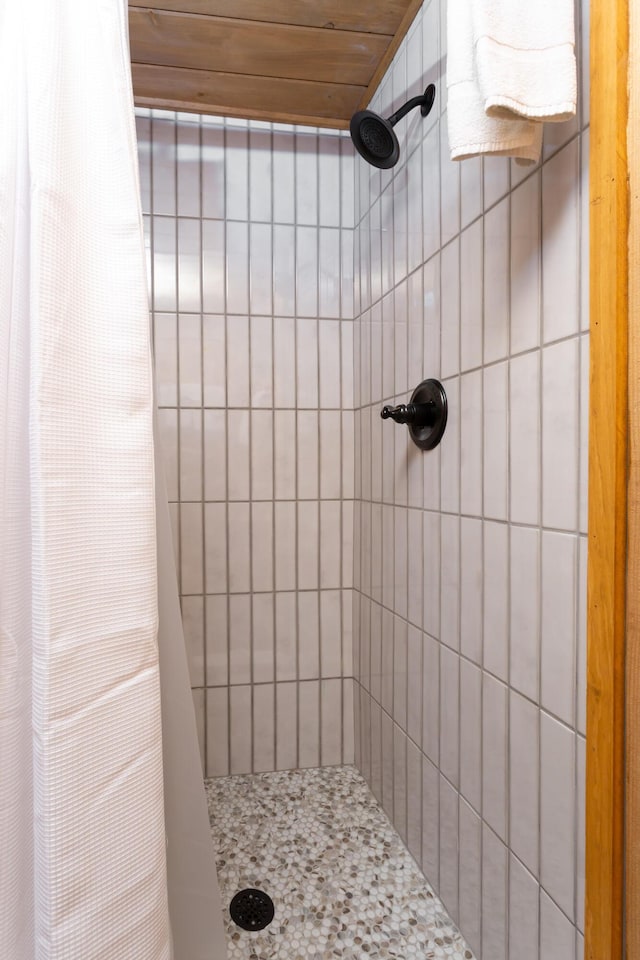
<point>252,909</point>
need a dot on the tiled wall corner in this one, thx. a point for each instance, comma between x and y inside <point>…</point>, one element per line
<point>469,577</point>
<point>249,231</point>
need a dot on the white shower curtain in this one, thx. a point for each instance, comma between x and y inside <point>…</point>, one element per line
<point>82,834</point>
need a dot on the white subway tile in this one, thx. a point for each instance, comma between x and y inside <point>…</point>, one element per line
<point>471,178</point>
<point>286,726</point>
<point>239,548</point>
<point>190,361</point>
<point>450,582</point>
<point>557,812</point>
<point>163,160</point>
<point>471,278</point>
<point>450,451</point>
<point>285,545</point>
<point>348,756</point>
<point>240,729</point>
<point>260,170</point>
<point>190,455</point>
<point>193,625</point>
<point>284,362</point>
<point>496,599</point>
<point>236,157</point>
<point>167,438</point>
<point>263,727</point>
<point>470,916</point>
<point>330,454</point>
<point>524,766</point>
<point>261,455</point>
<point>330,544</point>
<point>191,548</point>
<point>496,440</point>
<point>214,361</point>
<point>283,176</point>
<point>400,782</point>
<point>238,454</point>
<point>329,284</point>
<point>240,633</point>
<point>215,534</point>
<point>238,362</point>
<point>494,896</point>
<point>308,533</point>
<point>262,546</point>
<point>557,934</point>
<point>309,724</point>
<point>237,267</point>
<point>448,889</point>
<point>496,280</point>
<point>558,626</point>
<point>165,341</point>
<point>189,260</point>
<point>431,194</point>
<point>524,893</point>
<point>560,435</point>
<point>329,363</point>
<point>494,755</point>
<point>449,714</point>
<point>260,268</point>
<point>331,727</point>
<point>212,172</point>
<point>449,191</point>
<point>306,271</point>
<point>524,625</point>
<point>306,177</point>
<point>525,265</point>
<point>560,243</point>
<point>471,561</point>
<point>213,266</point>
<point>450,309</point>
<point>284,260</point>
<point>471,756</point>
<point>307,454</point>
<point>430,857</point>
<point>307,363</point>
<point>263,609</point>
<point>400,632</point>
<point>524,429</point>
<point>218,732</point>
<point>471,443</point>
<point>431,699</point>
<point>308,635</point>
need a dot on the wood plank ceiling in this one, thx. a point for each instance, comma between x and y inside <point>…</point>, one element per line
<point>295,61</point>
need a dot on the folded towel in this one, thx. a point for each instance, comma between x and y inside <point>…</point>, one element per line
<point>471,130</point>
<point>525,59</point>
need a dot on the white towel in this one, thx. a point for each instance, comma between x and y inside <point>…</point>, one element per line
<point>511,66</point>
<point>525,58</point>
<point>471,130</point>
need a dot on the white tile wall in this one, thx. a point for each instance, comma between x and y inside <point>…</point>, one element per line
<point>470,560</point>
<point>249,230</point>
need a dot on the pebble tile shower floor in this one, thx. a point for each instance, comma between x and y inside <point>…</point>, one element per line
<point>343,883</point>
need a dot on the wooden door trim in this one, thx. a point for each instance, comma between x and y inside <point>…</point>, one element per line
<point>608,434</point>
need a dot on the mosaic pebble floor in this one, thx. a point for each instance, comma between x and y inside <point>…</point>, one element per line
<point>343,883</point>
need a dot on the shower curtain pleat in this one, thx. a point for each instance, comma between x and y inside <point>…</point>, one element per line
<point>82,832</point>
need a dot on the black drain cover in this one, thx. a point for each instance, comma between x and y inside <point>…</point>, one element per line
<point>252,909</point>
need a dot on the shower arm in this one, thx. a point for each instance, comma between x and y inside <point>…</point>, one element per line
<point>421,101</point>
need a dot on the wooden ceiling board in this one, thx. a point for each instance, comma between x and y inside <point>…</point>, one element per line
<point>293,61</point>
<point>365,16</point>
<point>259,50</point>
<point>258,98</point>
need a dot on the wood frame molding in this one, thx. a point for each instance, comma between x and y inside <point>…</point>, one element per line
<point>608,435</point>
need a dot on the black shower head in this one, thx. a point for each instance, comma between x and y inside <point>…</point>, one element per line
<point>373,136</point>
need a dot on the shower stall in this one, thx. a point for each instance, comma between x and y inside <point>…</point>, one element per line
<point>358,610</point>
<point>385,639</point>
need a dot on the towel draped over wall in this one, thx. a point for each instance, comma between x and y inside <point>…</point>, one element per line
<point>510,67</point>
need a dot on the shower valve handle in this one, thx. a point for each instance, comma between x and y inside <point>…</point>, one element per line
<point>417,414</point>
